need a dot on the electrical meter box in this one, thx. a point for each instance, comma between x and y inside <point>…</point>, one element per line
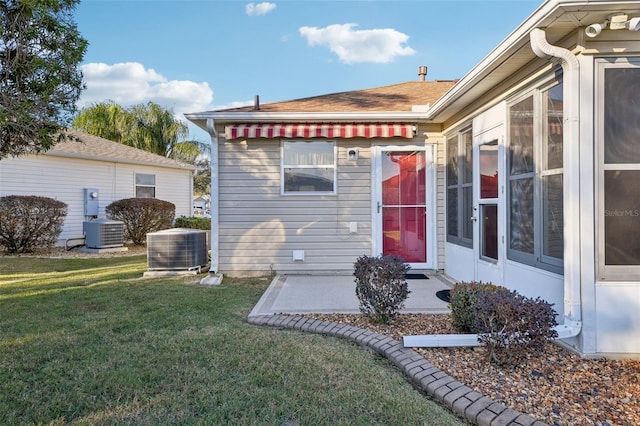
<point>91,202</point>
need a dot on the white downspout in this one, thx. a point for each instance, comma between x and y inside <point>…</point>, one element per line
<point>214,278</point>
<point>571,177</point>
<point>571,184</point>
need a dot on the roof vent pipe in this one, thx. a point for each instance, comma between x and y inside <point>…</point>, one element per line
<point>422,72</point>
<point>256,103</point>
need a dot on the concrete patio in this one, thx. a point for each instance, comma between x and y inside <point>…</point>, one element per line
<point>299,294</point>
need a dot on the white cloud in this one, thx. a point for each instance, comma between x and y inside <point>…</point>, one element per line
<point>357,46</point>
<point>253,9</point>
<point>131,83</point>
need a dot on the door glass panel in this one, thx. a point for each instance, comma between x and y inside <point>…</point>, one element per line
<point>404,205</point>
<point>489,231</point>
<point>405,233</point>
<point>621,217</point>
<point>621,115</point>
<point>403,178</point>
<point>489,170</point>
<point>521,215</point>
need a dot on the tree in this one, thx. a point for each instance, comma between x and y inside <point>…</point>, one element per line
<point>157,129</point>
<point>106,120</point>
<point>40,82</point>
<point>149,127</point>
<point>202,177</point>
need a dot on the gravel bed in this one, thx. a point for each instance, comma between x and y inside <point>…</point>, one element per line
<point>558,388</point>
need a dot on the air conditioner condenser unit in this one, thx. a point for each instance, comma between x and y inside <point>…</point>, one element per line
<point>103,233</point>
<point>177,249</point>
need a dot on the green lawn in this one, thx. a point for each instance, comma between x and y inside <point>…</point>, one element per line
<point>88,341</point>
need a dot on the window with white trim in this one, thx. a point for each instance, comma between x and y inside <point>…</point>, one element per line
<point>535,174</point>
<point>460,188</point>
<point>618,167</point>
<point>145,185</point>
<point>308,167</point>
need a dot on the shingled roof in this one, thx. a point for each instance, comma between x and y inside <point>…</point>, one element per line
<point>95,148</point>
<point>393,98</point>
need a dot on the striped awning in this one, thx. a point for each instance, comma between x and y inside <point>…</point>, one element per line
<point>319,130</point>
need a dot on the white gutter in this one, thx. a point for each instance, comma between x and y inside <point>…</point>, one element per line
<point>572,303</point>
<point>214,278</point>
<point>272,117</point>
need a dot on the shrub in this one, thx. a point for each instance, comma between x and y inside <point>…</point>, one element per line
<point>28,222</point>
<point>512,326</point>
<point>462,300</point>
<point>381,286</point>
<point>193,223</point>
<point>141,216</point>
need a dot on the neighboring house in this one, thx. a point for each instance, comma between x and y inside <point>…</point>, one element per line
<point>524,173</point>
<point>202,205</point>
<point>112,170</point>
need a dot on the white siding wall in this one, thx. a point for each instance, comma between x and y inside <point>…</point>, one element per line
<point>260,228</point>
<point>617,317</point>
<point>64,179</point>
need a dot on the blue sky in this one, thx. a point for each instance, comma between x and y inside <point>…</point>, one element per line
<point>194,56</point>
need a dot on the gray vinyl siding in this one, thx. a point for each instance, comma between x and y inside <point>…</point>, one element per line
<point>259,228</point>
<point>64,178</point>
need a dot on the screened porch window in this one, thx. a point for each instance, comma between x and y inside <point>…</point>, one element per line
<point>460,188</point>
<point>535,175</point>
<point>619,143</point>
<point>308,167</point>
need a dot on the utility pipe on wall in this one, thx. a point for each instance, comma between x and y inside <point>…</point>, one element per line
<point>214,278</point>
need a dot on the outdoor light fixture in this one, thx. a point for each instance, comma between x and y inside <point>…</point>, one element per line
<point>415,130</point>
<point>633,24</point>
<point>619,21</point>
<point>595,29</point>
<point>352,154</point>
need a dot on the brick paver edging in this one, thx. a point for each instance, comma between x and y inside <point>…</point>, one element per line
<point>470,405</point>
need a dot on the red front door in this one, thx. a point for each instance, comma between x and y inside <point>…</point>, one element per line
<point>404,219</point>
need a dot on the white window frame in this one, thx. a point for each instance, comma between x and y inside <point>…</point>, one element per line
<point>540,140</point>
<point>608,272</point>
<point>284,166</point>
<point>139,185</point>
<point>457,139</point>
